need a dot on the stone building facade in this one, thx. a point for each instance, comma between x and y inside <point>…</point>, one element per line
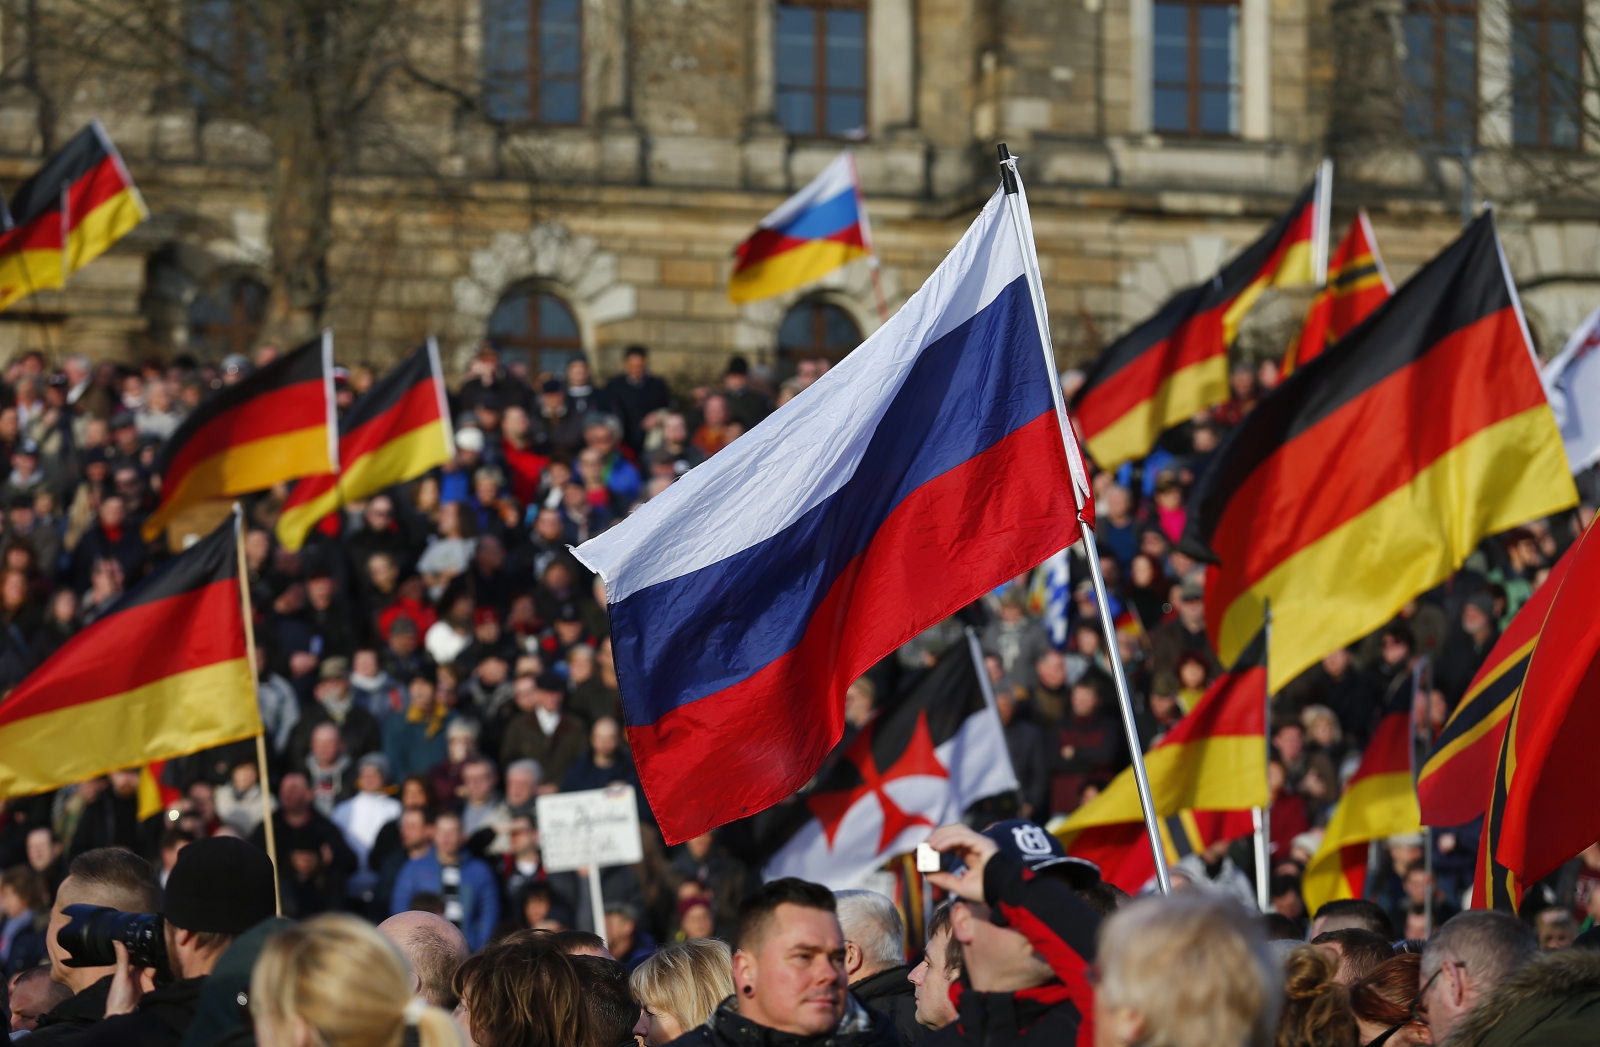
<point>625,147</point>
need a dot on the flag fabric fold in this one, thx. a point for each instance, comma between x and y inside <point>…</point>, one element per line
<point>396,432</point>
<point>925,758</point>
<point>91,708</point>
<point>274,426</point>
<point>1372,472</point>
<point>1378,801</point>
<point>1358,282</point>
<point>79,203</point>
<point>1176,363</point>
<point>1451,786</point>
<point>809,235</point>
<point>1541,814</point>
<point>917,474</point>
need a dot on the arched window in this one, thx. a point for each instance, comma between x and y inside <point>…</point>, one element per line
<point>535,328</point>
<point>228,317</point>
<point>817,329</point>
<point>533,61</point>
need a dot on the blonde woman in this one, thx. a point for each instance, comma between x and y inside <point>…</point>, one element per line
<point>1187,970</point>
<point>679,986</point>
<point>333,981</point>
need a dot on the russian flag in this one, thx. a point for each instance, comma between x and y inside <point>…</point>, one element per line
<point>924,470</point>
<point>812,233</point>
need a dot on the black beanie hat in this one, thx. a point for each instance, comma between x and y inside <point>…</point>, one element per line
<point>220,884</point>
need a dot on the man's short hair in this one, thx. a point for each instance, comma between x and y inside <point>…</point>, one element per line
<point>435,950</point>
<point>117,878</point>
<point>1355,912</point>
<point>575,943</point>
<point>755,912</point>
<point>1491,945</point>
<point>613,1012</point>
<point>940,922</point>
<point>873,923</point>
<point>1361,949</point>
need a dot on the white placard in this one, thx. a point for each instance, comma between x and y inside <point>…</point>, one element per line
<point>595,828</point>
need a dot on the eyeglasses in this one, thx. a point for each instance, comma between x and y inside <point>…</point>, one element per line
<point>1419,1007</point>
<point>1383,1037</point>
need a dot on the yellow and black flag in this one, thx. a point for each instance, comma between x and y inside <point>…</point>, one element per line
<point>91,708</point>
<point>396,432</point>
<point>69,213</point>
<point>1176,363</point>
<point>1372,472</point>
<point>276,425</point>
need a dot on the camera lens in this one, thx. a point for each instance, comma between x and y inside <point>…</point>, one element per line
<point>91,929</point>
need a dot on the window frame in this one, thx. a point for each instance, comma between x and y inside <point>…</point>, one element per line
<point>239,332</point>
<point>819,347</point>
<point>1543,15</point>
<point>533,73</point>
<point>819,89</point>
<point>1192,86</point>
<point>1439,12</point>
<point>534,344</point>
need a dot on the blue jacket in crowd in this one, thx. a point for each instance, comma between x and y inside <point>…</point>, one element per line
<point>480,900</point>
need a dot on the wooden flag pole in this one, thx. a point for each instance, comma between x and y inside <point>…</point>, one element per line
<point>1016,204</point>
<point>264,782</point>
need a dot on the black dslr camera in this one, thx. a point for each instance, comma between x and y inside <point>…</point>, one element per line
<point>91,929</point>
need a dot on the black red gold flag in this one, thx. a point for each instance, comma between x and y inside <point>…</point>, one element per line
<point>1357,284</point>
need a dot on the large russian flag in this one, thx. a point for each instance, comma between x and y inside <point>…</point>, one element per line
<point>809,235</point>
<point>922,471</point>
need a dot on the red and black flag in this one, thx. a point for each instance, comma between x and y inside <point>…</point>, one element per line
<point>1541,809</point>
<point>929,754</point>
<point>1372,473</point>
<point>1468,748</point>
<point>1357,284</point>
<point>69,213</point>
<point>276,425</point>
<point>1176,363</point>
<point>396,432</point>
<point>92,708</point>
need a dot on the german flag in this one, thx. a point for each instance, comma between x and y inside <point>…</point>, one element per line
<point>1176,363</point>
<point>75,207</point>
<point>91,708</point>
<point>276,425</point>
<point>398,431</point>
<point>1213,760</point>
<point>1123,851</point>
<point>1379,800</point>
<point>1541,811</point>
<point>1451,786</point>
<point>1371,474</point>
<point>1357,284</point>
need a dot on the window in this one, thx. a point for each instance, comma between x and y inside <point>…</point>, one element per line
<point>1442,71</point>
<point>535,328</point>
<point>1195,67</point>
<point>1546,73</point>
<point>533,60</point>
<point>816,329</point>
<point>228,318</point>
<point>226,59</point>
<point>822,68</point>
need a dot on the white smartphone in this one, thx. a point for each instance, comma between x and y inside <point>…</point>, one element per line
<point>927,859</point>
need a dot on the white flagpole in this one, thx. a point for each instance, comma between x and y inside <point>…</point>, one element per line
<point>1263,815</point>
<point>1016,204</point>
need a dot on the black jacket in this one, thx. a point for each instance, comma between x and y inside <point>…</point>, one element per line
<point>728,1028</point>
<point>889,993</point>
<point>69,1018</point>
<point>1061,928</point>
<point>163,1017</point>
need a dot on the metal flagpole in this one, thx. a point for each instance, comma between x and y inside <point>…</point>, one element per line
<point>866,237</point>
<point>1016,205</point>
<point>261,738</point>
<point>1421,694</point>
<point>1263,815</point>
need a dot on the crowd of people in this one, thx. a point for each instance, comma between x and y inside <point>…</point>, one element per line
<point>434,659</point>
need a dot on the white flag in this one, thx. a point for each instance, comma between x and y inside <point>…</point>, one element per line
<point>1572,382</point>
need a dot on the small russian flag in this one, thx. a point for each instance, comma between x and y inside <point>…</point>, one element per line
<point>812,233</point>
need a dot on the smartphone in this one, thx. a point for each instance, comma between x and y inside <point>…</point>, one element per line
<point>927,859</point>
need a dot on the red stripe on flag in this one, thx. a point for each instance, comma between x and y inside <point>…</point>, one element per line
<point>273,413</point>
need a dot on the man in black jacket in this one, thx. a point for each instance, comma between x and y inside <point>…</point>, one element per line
<point>1025,937</point>
<point>635,395</point>
<point>874,943</point>
<point>219,888</point>
<point>106,876</point>
<point>789,978</point>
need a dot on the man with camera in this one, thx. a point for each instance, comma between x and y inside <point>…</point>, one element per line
<point>219,888</point>
<point>116,881</point>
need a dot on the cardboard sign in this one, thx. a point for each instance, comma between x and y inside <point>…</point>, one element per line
<point>594,828</point>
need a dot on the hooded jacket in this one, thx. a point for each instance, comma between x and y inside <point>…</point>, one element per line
<point>726,1027</point>
<point>1553,1001</point>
